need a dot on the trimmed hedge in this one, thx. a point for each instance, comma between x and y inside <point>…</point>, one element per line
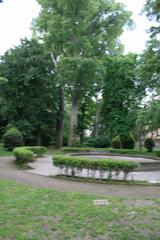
<point>125,151</point>
<point>22,155</point>
<point>100,142</point>
<point>84,149</point>
<point>27,154</point>
<point>12,138</point>
<point>70,165</point>
<point>38,150</point>
<point>111,150</point>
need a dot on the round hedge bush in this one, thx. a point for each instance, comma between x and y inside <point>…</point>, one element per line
<point>28,154</point>
<point>128,142</point>
<point>23,155</point>
<point>12,138</point>
<point>149,144</point>
<point>100,142</point>
<point>116,143</point>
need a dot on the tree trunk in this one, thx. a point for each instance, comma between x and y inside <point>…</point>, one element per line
<point>97,120</point>
<point>74,120</point>
<point>82,119</point>
<point>140,144</point>
<point>38,140</point>
<point>82,137</point>
<point>60,119</point>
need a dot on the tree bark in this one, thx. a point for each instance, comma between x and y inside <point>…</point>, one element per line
<point>82,119</point>
<point>74,120</point>
<point>140,144</point>
<point>38,139</point>
<point>97,120</point>
<point>60,119</point>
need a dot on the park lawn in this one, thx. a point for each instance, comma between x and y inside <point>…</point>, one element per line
<point>28,213</point>
<point>4,153</point>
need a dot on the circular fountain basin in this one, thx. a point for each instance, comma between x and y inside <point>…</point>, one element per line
<point>145,163</point>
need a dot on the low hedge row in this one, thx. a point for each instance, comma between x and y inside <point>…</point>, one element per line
<point>125,151</point>
<point>111,150</point>
<point>27,154</point>
<point>84,149</point>
<point>38,150</point>
<point>71,165</point>
<point>22,155</point>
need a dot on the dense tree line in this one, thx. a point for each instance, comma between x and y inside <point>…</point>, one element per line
<point>74,76</point>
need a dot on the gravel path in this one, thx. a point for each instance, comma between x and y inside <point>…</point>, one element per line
<point>8,170</point>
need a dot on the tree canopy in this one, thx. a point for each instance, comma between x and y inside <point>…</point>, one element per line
<point>28,93</point>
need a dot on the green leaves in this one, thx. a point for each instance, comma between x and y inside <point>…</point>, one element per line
<point>122,93</point>
<point>29,95</point>
<point>92,164</point>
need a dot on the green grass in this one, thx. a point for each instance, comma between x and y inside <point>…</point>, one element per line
<point>32,214</point>
<point>4,153</point>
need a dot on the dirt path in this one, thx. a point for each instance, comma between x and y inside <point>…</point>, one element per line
<point>8,170</point>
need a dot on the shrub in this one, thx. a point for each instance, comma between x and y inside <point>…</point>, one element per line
<point>158,153</point>
<point>100,142</point>
<point>27,154</point>
<point>128,142</point>
<point>12,138</point>
<point>69,164</point>
<point>38,150</point>
<point>149,144</point>
<point>84,149</point>
<point>125,151</point>
<point>116,143</point>
<point>22,155</point>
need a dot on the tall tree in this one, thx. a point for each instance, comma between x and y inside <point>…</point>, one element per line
<point>78,33</point>
<point>121,95</point>
<point>29,94</point>
<point>151,57</point>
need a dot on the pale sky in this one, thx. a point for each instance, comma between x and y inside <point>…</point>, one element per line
<point>16,17</point>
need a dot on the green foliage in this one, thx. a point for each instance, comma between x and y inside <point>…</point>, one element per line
<point>75,163</point>
<point>23,155</point>
<point>128,141</point>
<point>124,141</point>
<point>149,144</point>
<point>29,96</point>
<point>79,34</point>
<point>4,152</point>
<point>38,150</point>
<point>125,151</point>
<point>116,142</point>
<point>122,93</point>
<point>100,142</point>
<point>26,154</point>
<point>81,149</point>
<point>12,138</point>
<point>150,59</point>
<point>109,150</point>
<point>157,153</point>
